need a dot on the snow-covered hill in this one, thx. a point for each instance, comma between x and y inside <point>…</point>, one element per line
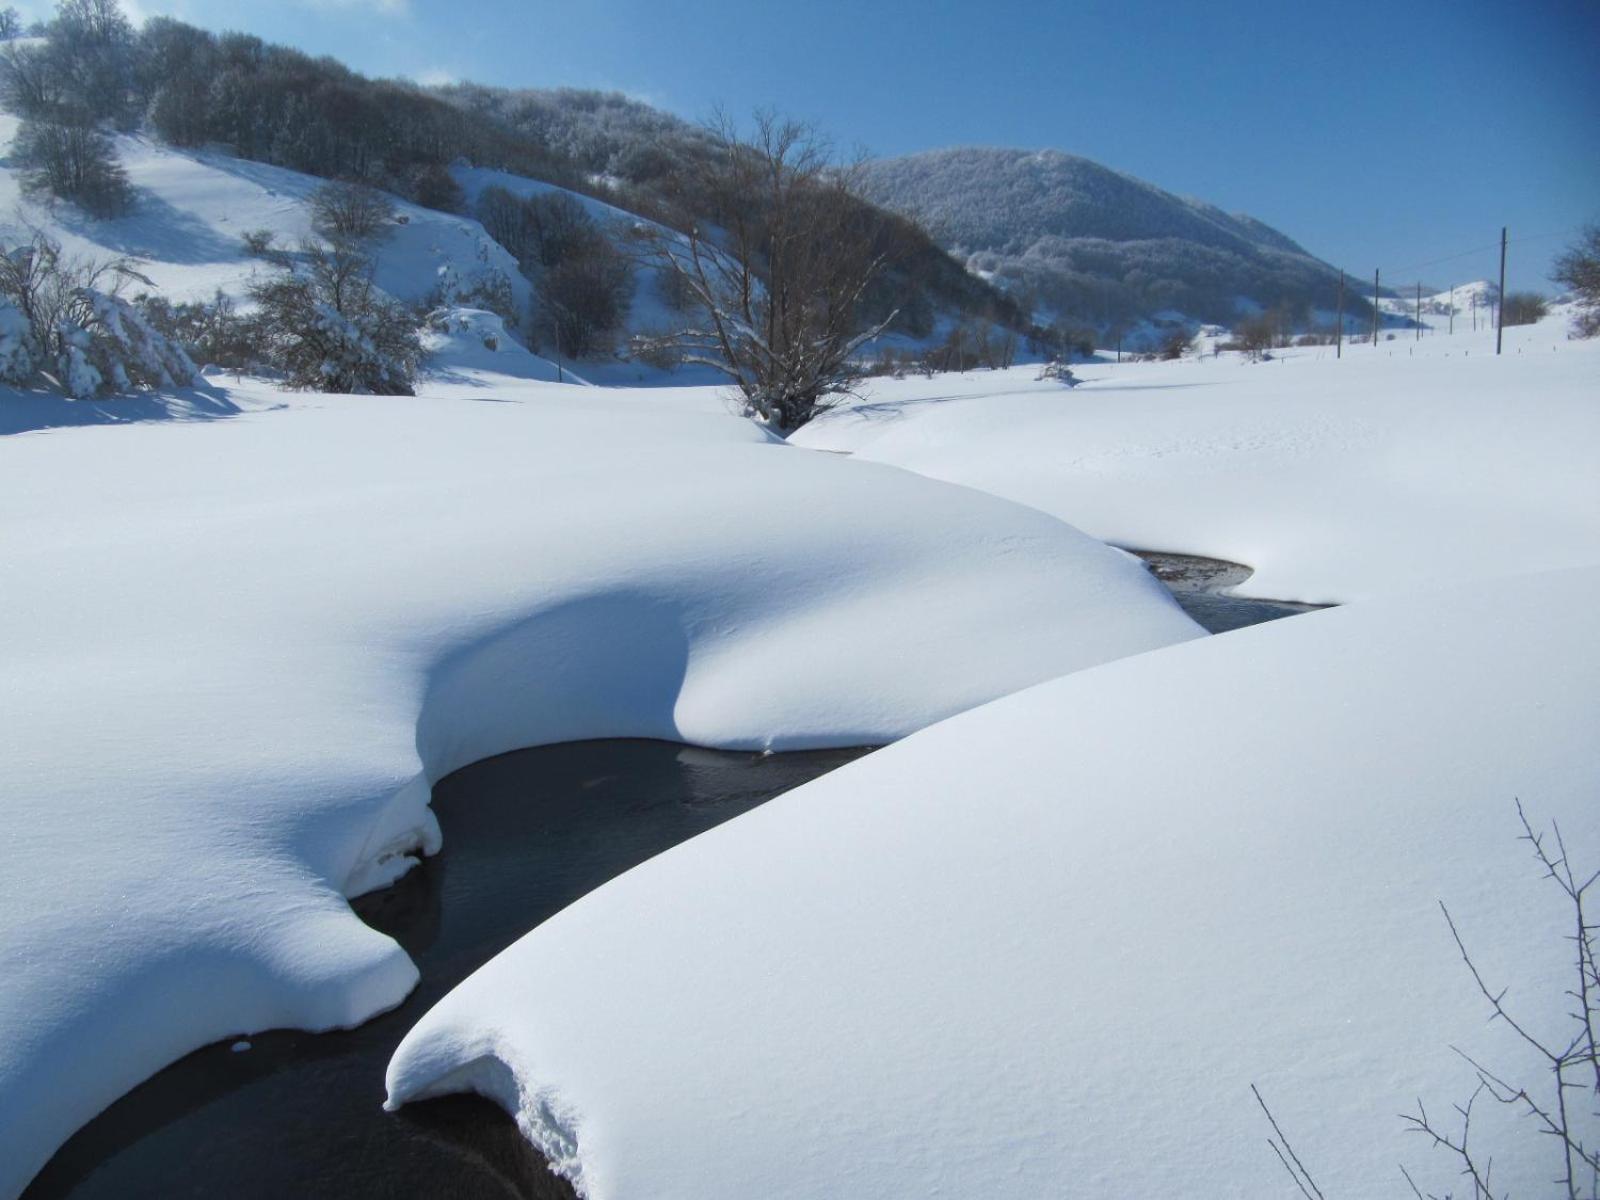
<point>1070,233</point>
<point>193,208</point>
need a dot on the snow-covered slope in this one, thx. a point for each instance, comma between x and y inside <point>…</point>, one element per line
<point>1091,243</point>
<point>193,209</point>
<point>1401,465</point>
<point>235,654</point>
<point>1045,948</point>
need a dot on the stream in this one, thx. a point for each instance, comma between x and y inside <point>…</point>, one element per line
<point>291,1114</point>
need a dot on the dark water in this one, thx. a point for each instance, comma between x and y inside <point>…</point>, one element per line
<point>299,1115</point>
<point>1200,586</point>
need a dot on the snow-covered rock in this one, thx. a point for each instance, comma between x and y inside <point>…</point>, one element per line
<point>1044,948</point>
<point>1401,465</point>
<point>234,655</point>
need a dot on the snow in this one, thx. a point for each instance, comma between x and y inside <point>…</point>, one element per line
<point>193,208</point>
<point>1407,464</point>
<point>1044,948</point>
<point>238,651</point>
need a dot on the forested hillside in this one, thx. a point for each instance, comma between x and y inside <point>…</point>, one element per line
<point>1079,240</point>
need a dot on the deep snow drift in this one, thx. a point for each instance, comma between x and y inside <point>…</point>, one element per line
<point>1408,464</point>
<point>237,652</point>
<point>1044,948</point>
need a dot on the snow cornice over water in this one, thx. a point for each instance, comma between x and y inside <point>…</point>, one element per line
<point>1046,947</point>
<point>239,651</point>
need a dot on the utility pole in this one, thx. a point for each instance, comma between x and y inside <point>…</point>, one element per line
<point>1452,312</point>
<point>1474,311</point>
<point>1338,328</point>
<point>1374,309</point>
<point>1500,324</point>
<point>1419,310</point>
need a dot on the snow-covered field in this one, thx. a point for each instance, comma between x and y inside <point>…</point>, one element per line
<point>237,653</point>
<point>1045,948</point>
<point>1040,948</point>
<point>1405,465</point>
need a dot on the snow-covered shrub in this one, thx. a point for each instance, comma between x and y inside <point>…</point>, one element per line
<point>329,329</point>
<point>1060,372</point>
<point>486,287</point>
<point>63,322</point>
<point>108,345</point>
<point>19,351</point>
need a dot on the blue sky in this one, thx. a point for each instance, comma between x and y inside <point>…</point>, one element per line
<point>1387,134</point>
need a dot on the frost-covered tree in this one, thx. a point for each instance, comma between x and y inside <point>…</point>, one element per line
<point>63,322</point>
<point>778,283</point>
<point>91,48</point>
<point>10,24</point>
<point>329,329</point>
<point>1578,268</point>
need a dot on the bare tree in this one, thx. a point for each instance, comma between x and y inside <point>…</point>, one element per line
<point>10,24</point>
<point>1578,268</point>
<point>1573,1093</point>
<point>343,210</point>
<point>74,162</point>
<point>1562,1109</point>
<point>775,291</point>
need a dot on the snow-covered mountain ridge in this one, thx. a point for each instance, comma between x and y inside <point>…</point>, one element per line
<point>1081,240</point>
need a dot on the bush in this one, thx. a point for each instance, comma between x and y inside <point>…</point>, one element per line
<point>76,163</point>
<point>1175,344</point>
<point>344,211</point>
<point>585,297</point>
<point>1523,308</point>
<point>63,322</point>
<point>541,231</point>
<point>210,333</point>
<point>432,186</point>
<point>330,330</point>
<point>258,243</point>
<point>1254,336</point>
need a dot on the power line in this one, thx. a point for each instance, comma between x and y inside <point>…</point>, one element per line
<point>1433,262</point>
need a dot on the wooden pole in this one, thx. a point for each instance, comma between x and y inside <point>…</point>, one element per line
<point>1338,328</point>
<point>1500,324</point>
<point>1452,312</point>
<point>1374,309</point>
<point>1419,310</point>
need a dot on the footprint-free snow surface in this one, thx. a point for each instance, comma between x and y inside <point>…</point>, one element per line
<point>238,652</point>
<point>1044,948</point>
<point>1403,465</point>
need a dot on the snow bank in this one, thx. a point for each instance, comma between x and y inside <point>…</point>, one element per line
<point>1404,464</point>
<point>236,653</point>
<point>1044,948</point>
